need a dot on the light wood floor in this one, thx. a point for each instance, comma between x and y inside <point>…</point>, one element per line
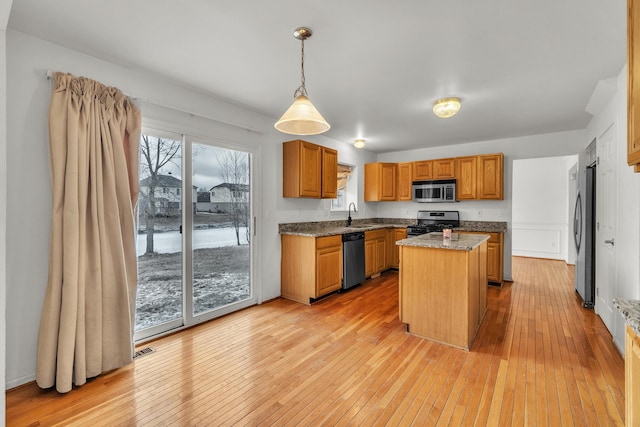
<point>539,359</point>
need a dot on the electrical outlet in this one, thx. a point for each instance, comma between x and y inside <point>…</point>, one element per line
<point>499,214</point>
<point>479,213</point>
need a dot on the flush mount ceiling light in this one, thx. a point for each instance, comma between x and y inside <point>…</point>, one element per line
<point>302,118</point>
<point>446,107</point>
<point>358,143</point>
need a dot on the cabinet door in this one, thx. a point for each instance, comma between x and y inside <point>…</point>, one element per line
<point>632,378</point>
<point>405,179</point>
<point>633,82</point>
<point>444,168</point>
<point>328,270</point>
<point>301,163</point>
<point>466,175</point>
<point>493,262</point>
<point>423,170</point>
<point>369,263</point>
<point>329,173</point>
<point>393,249</point>
<point>388,185</point>
<point>380,182</point>
<point>310,166</point>
<point>380,255</point>
<point>490,180</point>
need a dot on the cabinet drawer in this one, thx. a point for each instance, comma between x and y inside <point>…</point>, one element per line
<point>329,241</point>
<point>375,234</point>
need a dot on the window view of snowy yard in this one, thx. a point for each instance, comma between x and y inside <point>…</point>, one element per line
<point>221,274</point>
<point>218,243</point>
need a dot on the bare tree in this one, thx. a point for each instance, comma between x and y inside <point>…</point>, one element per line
<point>155,154</point>
<point>234,170</point>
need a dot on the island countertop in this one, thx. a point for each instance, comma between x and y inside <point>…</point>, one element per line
<point>630,310</point>
<point>460,242</point>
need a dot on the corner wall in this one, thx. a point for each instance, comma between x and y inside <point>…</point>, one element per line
<point>3,214</point>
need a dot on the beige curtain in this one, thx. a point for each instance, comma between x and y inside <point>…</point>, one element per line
<point>87,319</point>
<point>344,172</point>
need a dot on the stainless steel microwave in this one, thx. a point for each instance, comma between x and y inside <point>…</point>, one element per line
<point>434,191</point>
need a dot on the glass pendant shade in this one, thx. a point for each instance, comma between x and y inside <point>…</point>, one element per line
<point>446,107</point>
<point>302,118</point>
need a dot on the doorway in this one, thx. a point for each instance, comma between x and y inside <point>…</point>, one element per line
<point>194,241</point>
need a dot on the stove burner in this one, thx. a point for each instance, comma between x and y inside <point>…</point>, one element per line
<point>432,221</point>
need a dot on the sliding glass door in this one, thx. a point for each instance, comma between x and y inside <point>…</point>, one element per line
<point>221,247</point>
<point>194,232</point>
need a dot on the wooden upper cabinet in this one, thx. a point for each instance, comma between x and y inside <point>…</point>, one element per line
<point>329,173</point>
<point>633,83</point>
<point>380,182</point>
<point>423,170</point>
<point>490,176</point>
<point>309,170</point>
<point>467,176</point>
<point>405,180</point>
<point>444,168</point>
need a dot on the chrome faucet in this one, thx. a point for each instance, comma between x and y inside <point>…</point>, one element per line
<point>349,217</point>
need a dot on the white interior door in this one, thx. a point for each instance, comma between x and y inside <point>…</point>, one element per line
<point>606,228</point>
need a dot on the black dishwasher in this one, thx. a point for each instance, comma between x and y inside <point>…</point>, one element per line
<point>352,259</point>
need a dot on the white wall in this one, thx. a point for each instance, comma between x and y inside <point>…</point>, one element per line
<point>28,197</point>
<point>539,207</point>
<point>527,147</point>
<point>3,210</point>
<point>627,237</point>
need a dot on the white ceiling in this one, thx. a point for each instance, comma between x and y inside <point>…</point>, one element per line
<point>373,67</point>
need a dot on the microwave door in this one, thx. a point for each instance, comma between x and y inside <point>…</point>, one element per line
<point>428,194</point>
<point>433,193</point>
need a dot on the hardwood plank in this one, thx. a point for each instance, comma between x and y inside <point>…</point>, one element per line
<point>539,359</point>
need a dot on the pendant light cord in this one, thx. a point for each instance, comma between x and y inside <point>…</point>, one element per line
<point>302,90</point>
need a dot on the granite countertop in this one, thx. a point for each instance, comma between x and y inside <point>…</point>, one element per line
<point>460,242</point>
<point>483,226</point>
<point>630,310</point>
<point>332,228</point>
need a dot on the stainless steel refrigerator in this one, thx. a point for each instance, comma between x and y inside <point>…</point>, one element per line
<point>584,236</point>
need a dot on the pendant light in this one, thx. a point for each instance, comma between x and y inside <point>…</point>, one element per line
<point>446,107</point>
<point>302,118</point>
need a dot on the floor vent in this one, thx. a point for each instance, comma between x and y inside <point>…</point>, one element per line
<point>143,352</point>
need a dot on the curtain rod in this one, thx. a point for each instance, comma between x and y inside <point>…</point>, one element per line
<point>191,113</point>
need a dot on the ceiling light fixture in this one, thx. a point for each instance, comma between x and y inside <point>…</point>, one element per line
<point>446,107</point>
<point>358,143</point>
<point>302,118</point>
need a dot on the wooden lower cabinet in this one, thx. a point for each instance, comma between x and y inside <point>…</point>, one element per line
<point>393,250</point>
<point>375,252</point>
<point>442,293</point>
<point>632,378</point>
<point>311,267</point>
<point>495,257</point>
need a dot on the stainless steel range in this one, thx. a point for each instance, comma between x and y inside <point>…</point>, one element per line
<point>430,221</point>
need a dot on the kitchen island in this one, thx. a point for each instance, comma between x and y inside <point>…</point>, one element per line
<point>443,286</point>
